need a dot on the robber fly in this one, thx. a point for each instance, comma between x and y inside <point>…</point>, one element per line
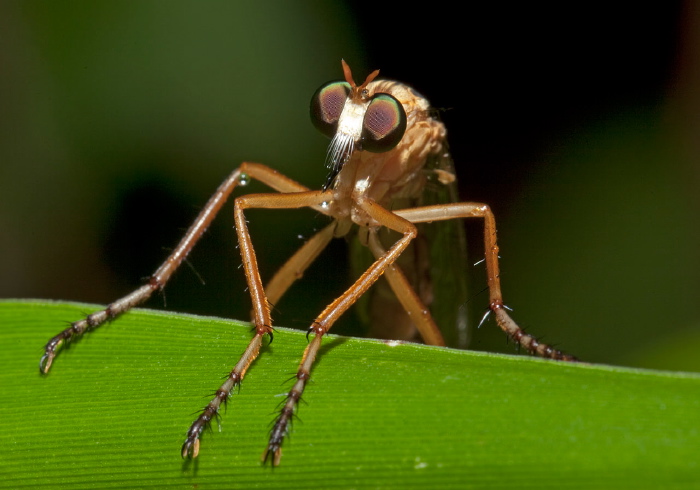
<point>382,134</point>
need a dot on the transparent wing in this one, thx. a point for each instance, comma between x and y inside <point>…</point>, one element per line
<point>447,253</point>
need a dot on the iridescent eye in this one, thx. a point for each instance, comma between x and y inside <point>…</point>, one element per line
<point>384,124</point>
<point>327,105</point>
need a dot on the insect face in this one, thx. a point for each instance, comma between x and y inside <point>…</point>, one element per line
<point>356,119</point>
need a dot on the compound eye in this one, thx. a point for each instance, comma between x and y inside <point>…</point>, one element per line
<point>384,124</point>
<point>327,105</point>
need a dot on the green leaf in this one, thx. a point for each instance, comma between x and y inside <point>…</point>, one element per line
<point>115,408</point>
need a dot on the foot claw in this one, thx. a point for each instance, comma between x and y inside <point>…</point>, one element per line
<point>45,362</point>
<point>273,453</point>
<point>190,449</point>
<point>50,351</point>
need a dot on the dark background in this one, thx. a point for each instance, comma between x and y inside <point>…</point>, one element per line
<point>576,123</point>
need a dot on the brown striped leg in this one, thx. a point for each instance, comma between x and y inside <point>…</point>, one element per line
<point>292,270</point>
<point>496,305</point>
<point>190,448</point>
<point>261,308</point>
<point>158,280</point>
<point>273,451</point>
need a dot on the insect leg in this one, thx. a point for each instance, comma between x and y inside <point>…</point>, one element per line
<point>297,264</point>
<point>190,448</point>
<point>330,314</point>
<point>292,270</point>
<point>261,307</point>
<point>158,280</point>
<point>417,311</point>
<point>496,305</point>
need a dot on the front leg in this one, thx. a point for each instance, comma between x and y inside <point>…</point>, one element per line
<point>261,307</point>
<point>156,282</point>
<point>323,323</point>
<point>160,277</point>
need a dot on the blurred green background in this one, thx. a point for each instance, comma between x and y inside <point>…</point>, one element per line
<point>577,123</point>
